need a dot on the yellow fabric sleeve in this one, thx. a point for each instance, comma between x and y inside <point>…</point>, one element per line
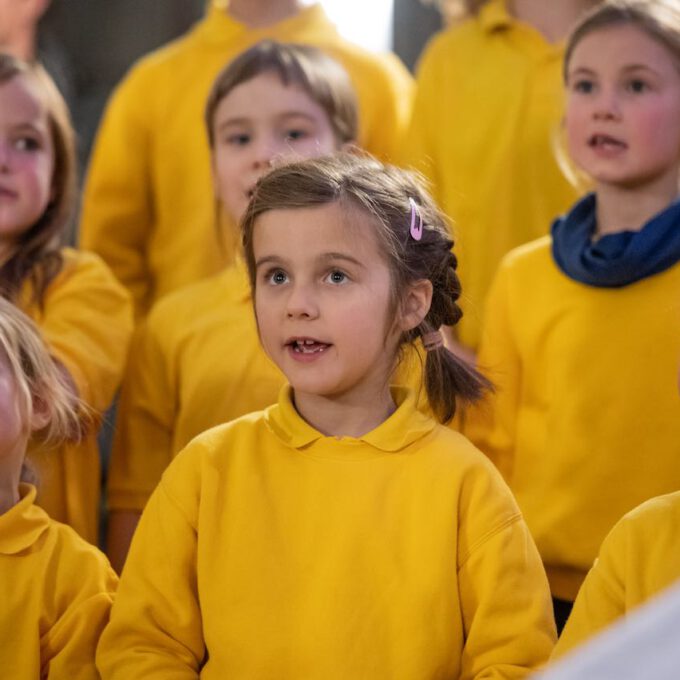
<point>143,441</point>
<point>491,425</point>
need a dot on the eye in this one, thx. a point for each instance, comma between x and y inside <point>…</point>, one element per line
<point>240,139</point>
<point>276,277</point>
<point>296,134</point>
<point>583,86</point>
<point>27,144</point>
<point>337,277</point>
<point>636,86</point>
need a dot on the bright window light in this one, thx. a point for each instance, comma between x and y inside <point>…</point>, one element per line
<point>365,22</point>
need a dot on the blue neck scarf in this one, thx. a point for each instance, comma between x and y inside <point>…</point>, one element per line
<point>615,260</point>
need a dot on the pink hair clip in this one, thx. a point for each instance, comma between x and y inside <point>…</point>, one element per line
<point>416,230</point>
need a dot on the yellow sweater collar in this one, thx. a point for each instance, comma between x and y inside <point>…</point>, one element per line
<point>22,525</point>
<point>219,26</point>
<point>494,16</point>
<point>402,428</point>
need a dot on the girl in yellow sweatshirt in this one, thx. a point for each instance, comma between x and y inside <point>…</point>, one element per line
<point>583,329</point>
<point>56,588</point>
<point>84,315</point>
<point>340,533</point>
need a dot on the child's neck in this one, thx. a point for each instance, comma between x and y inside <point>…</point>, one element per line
<point>9,487</point>
<point>259,13</point>
<point>338,417</point>
<point>622,209</point>
<point>552,18</point>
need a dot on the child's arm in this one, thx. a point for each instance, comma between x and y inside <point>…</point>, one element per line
<point>83,594</point>
<point>505,598</point>
<point>87,324</point>
<point>117,210</point>
<point>156,628</point>
<point>143,441</point>
<point>491,425</point>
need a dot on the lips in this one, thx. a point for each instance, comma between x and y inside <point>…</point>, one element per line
<point>606,143</point>
<point>7,193</point>
<point>307,346</point>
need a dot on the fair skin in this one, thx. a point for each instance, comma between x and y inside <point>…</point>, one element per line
<point>322,302</point>
<point>14,435</point>
<point>623,124</point>
<point>260,13</point>
<point>259,123</point>
<point>19,25</point>
<point>552,19</point>
<point>26,161</point>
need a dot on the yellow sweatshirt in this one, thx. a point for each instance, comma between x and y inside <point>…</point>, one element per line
<point>487,111</point>
<point>639,558</point>
<point>56,592</point>
<point>86,320</point>
<point>399,555</point>
<point>148,207</point>
<point>585,421</point>
<point>195,362</point>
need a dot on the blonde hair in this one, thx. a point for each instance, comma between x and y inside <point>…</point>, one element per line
<point>659,19</point>
<point>385,195</point>
<point>320,76</point>
<point>37,378</point>
<point>37,257</point>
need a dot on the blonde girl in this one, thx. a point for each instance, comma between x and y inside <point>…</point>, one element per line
<point>340,533</point>
<point>196,361</point>
<point>583,328</point>
<point>83,313</point>
<point>56,588</point>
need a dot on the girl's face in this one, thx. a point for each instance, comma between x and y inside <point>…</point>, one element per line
<point>623,109</point>
<point>259,123</point>
<point>322,301</point>
<point>26,159</point>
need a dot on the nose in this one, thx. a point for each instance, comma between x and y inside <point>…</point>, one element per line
<point>302,303</point>
<point>266,151</point>
<point>607,105</point>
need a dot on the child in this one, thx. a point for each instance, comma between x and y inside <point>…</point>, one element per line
<point>583,328</point>
<point>56,589</point>
<point>148,204</point>
<point>486,115</point>
<point>340,533</point>
<point>196,361</point>
<point>638,559</point>
<point>83,313</point>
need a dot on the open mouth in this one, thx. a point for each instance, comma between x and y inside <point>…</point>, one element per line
<point>606,143</point>
<point>307,346</point>
<point>6,193</point>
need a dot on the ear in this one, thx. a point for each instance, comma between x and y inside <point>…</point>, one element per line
<point>42,414</point>
<point>416,304</point>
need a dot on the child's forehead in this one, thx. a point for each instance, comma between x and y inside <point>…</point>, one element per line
<point>315,231</point>
<point>266,94</point>
<point>21,101</point>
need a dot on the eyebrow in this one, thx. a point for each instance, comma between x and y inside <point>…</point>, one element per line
<point>584,70</point>
<point>325,257</point>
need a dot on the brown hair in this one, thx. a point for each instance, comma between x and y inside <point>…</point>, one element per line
<point>38,379</point>
<point>659,19</point>
<point>320,76</point>
<point>37,257</point>
<point>382,193</point>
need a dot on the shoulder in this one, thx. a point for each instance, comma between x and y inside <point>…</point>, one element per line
<point>455,42</point>
<point>81,268</point>
<point>654,520</point>
<point>537,252</point>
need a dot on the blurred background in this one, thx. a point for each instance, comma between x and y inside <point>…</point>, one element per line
<point>88,45</point>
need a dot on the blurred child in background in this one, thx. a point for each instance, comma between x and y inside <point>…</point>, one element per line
<point>56,589</point>
<point>84,314</point>
<point>485,121</point>
<point>148,207</point>
<point>582,328</point>
<point>196,361</point>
